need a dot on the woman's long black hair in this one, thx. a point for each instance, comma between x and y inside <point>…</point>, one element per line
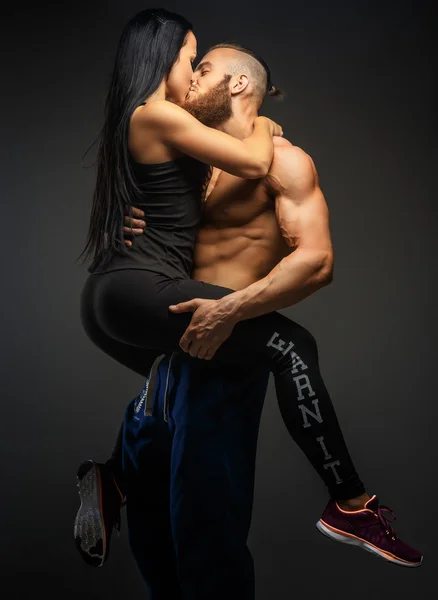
<point>148,48</point>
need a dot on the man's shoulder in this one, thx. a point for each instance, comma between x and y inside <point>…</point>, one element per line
<point>291,167</point>
<point>285,150</point>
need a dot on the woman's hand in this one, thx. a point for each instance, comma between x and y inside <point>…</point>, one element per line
<point>212,323</point>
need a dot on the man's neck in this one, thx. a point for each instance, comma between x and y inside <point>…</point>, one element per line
<point>241,124</point>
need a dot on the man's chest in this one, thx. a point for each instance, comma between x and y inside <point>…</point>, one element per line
<point>234,201</point>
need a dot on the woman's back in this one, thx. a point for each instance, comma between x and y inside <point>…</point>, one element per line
<point>171,198</point>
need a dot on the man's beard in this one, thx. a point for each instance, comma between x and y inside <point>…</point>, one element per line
<point>213,107</point>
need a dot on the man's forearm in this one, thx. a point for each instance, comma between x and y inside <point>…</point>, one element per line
<point>297,276</point>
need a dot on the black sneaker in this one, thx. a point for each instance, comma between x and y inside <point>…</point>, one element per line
<point>99,512</point>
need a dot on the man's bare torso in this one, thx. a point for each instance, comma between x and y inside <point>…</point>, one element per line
<point>239,241</point>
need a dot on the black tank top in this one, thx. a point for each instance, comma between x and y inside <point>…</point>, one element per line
<point>171,198</point>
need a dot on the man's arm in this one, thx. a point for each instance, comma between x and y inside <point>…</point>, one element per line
<point>303,217</point>
<point>133,225</point>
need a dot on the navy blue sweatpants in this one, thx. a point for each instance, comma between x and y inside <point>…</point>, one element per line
<point>189,449</point>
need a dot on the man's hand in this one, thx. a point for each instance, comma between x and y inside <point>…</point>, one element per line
<point>212,323</point>
<point>134,226</point>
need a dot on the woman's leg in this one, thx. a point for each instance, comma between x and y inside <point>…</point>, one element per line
<point>304,401</point>
<point>134,358</point>
<point>132,307</point>
<point>138,360</point>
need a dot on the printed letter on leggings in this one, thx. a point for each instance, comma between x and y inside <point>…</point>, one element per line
<point>301,387</point>
<point>305,411</point>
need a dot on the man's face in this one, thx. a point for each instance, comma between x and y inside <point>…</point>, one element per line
<point>210,71</point>
<point>209,97</point>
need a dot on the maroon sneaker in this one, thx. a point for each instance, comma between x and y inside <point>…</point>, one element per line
<point>369,529</point>
<point>99,512</point>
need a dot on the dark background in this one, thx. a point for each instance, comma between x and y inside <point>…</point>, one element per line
<point>361,101</point>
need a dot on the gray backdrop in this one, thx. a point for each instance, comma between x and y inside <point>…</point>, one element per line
<point>360,84</point>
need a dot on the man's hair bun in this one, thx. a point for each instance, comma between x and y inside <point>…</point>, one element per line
<point>276,92</point>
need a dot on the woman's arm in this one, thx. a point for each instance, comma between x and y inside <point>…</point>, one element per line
<point>250,158</point>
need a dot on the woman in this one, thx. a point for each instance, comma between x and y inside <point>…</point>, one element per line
<point>156,156</point>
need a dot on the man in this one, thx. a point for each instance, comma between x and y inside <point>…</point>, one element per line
<point>191,434</point>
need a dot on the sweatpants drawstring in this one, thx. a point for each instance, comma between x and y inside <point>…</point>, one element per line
<point>151,386</point>
<point>167,385</point>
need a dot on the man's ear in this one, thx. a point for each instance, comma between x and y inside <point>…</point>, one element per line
<point>239,84</point>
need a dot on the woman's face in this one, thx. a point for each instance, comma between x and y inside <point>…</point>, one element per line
<point>181,74</point>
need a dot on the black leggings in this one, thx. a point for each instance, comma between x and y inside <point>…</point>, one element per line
<point>125,313</point>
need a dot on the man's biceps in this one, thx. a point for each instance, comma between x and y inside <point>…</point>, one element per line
<point>284,204</point>
<point>314,234</point>
<point>306,225</point>
<point>292,213</point>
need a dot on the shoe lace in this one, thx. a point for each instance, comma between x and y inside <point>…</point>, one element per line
<point>386,520</point>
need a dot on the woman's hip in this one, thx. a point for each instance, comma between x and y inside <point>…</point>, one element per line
<point>132,305</point>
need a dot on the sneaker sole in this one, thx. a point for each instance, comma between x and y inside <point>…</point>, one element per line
<point>89,530</point>
<point>345,538</point>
